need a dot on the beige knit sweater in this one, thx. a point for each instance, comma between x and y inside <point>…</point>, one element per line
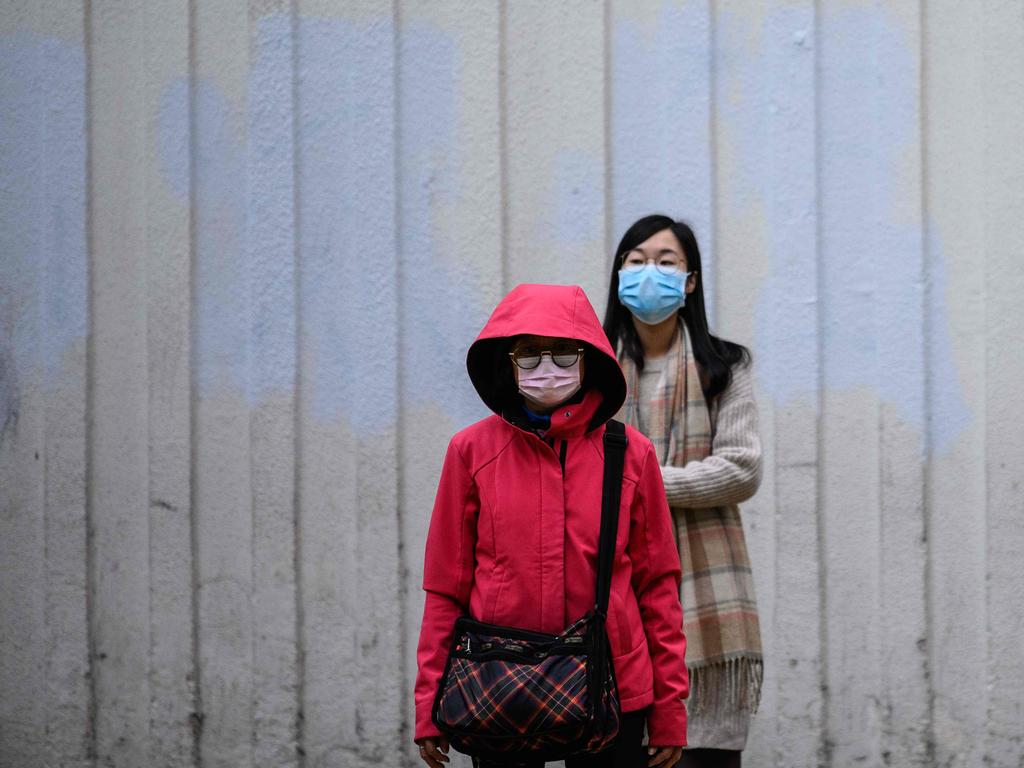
<point>732,473</point>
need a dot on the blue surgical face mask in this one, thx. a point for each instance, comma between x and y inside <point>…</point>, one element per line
<point>650,294</point>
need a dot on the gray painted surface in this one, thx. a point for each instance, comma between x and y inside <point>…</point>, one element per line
<point>245,245</point>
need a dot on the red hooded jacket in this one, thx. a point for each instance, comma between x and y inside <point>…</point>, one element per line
<point>513,535</point>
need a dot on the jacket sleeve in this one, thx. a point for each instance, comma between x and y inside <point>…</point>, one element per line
<point>732,473</point>
<point>447,578</point>
<point>656,577</point>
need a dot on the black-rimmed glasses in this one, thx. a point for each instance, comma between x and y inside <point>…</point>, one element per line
<point>529,358</point>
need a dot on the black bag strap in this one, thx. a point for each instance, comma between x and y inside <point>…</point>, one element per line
<point>614,458</point>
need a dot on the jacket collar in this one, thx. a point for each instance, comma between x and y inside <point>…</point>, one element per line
<point>568,420</point>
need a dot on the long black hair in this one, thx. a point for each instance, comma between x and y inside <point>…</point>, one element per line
<point>715,357</point>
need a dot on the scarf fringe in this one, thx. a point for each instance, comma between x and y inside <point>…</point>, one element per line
<point>725,690</point>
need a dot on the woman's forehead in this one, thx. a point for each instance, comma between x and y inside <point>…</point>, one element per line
<point>663,239</point>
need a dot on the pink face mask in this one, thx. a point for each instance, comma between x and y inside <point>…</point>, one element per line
<point>547,385</point>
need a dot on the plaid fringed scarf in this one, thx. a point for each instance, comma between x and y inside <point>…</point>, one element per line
<point>723,639</point>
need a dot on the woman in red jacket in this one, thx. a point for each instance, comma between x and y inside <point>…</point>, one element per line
<point>513,535</point>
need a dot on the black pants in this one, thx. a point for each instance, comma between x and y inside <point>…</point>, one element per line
<point>626,751</point>
<point>710,758</point>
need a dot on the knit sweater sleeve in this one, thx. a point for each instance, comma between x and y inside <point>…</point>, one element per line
<point>732,472</point>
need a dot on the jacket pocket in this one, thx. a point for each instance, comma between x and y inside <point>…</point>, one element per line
<point>618,626</point>
<point>499,575</point>
<point>632,622</point>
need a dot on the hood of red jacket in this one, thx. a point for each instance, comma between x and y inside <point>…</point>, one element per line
<point>544,310</point>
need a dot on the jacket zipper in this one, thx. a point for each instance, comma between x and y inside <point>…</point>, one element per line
<point>551,442</point>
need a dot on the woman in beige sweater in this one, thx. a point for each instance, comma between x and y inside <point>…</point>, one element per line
<point>691,393</point>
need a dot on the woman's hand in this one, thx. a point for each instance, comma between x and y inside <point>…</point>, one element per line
<point>434,751</point>
<point>665,757</point>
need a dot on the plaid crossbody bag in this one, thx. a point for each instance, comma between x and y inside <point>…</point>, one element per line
<point>516,694</point>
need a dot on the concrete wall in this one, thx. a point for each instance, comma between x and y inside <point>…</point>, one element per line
<point>243,249</point>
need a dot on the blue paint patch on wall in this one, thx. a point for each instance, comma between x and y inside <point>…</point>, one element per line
<point>579,198</point>
<point>767,123</point>
<point>347,218</point>
<point>43,250</point>
<point>576,224</point>
<point>872,264</point>
<point>245,311</point>
<point>349,279</point>
<point>442,308</point>
<point>244,193</point>
<point>222,302</point>
<point>173,144</point>
<point>661,142</point>
<point>660,138</point>
<point>271,212</point>
<point>222,299</point>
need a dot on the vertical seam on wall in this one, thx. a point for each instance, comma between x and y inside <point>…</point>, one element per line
<point>300,644</point>
<point>403,597</point>
<point>713,250</point>
<point>986,145</point>
<point>927,330</point>
<point>824,748</point>
<point>41,325</point>
<point>775,753</point>
<point>196,718</point>
<point>40,301</point>
<point>151,671</point>
<point>777,756</point>
<point>90,396</point>
<point>252,405</point>
<point>609,168</point>
<point>503,137</point>
<point>876,705</point>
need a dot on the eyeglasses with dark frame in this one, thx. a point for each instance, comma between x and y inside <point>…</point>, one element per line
<point>666,262</point>
<point>529,358</point>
